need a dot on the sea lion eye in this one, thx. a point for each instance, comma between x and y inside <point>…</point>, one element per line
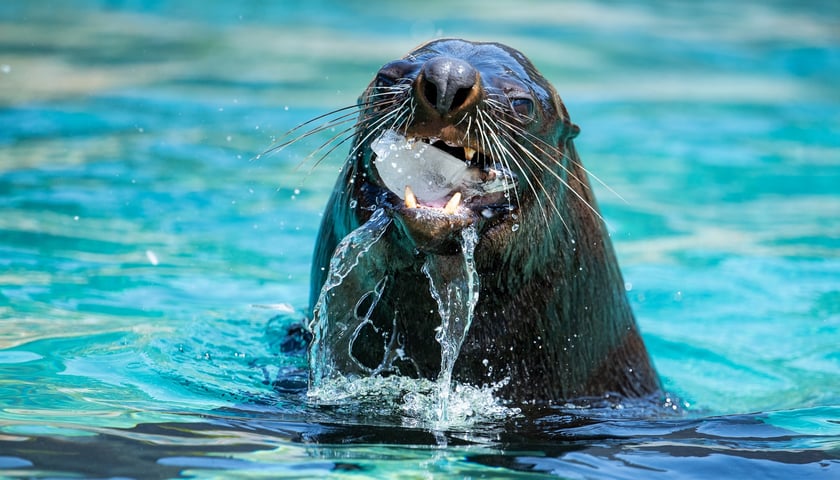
<point>395,73</point>
<point>523,106</point>
<point>384,81</point>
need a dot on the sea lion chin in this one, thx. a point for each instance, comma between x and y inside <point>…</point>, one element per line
<point>461,135</point>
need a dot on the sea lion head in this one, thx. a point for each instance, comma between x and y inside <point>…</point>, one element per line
<point>484,105</point>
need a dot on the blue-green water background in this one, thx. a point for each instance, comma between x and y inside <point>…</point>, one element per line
<point>137,231</point>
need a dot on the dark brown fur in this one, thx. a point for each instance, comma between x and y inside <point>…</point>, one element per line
<point>552,315</point>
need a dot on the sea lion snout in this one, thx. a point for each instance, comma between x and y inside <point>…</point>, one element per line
<point>448,84</point>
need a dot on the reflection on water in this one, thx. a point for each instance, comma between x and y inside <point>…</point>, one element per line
<point>129,132</point>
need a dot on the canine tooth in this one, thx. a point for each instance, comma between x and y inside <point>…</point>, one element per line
<point>410,199</point>
<point>452,204</point>
<point>469,153</point>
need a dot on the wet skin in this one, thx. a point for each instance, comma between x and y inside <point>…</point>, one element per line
<point>552,319</point>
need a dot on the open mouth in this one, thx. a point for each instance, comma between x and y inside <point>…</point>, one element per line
<point>444,178</point>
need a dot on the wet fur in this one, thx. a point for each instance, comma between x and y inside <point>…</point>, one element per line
<point>552,319</point>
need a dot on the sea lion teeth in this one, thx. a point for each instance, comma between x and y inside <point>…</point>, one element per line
<point>410,199</point>
<point>469,153</point>
<point>452,204</point>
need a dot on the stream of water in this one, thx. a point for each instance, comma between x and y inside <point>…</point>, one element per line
<point>454,285</point>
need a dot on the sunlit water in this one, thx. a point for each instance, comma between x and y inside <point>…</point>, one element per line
<point>150,265</point>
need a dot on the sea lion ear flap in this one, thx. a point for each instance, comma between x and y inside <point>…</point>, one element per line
<point>571,129</point>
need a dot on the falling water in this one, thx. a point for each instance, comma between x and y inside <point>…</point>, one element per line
<point>335,321</point>
<point>454,286</point>
<point>350,295</point>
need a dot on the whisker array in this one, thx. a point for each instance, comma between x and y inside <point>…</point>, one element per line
<point>495,128</point>
<point>352,119</point>
<point>546,150</point>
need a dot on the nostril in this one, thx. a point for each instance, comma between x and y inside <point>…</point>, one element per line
<point>430,91</point>
<point>460,98</point>
<point>446,84</point>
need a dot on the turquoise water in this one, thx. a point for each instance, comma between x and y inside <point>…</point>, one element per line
<point>144,250</point>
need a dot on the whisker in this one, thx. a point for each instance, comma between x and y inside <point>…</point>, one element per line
<point>332,123</point>
<point>397,114</point>
<point>351,112</point>
<point>538,142</point>
<point>493,145</point>
<point>539,146</point>
<point>563,181</point>
<point>527,173</point>
<point>359,123</point>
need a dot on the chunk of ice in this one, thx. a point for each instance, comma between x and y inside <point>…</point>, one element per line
<point>431,173</point>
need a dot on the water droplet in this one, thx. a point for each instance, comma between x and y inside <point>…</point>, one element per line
<point>229,138</point>
<point>6,68</point>
<point>152,257</point>
<point>515,227</point>
<point>286,108</point>
<point>297,191</point>
<point>353,203</point>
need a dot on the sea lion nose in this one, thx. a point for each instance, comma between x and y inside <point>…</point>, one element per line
<point>448,83</point>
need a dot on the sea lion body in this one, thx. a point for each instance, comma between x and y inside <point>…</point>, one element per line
<point>552,322</point>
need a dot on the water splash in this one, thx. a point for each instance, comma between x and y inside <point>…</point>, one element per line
<point>335,321</point>
<point>345,306</point>
<point>454,286</point>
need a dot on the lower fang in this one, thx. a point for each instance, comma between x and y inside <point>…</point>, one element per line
<point>410,199</point>
<point>452,204</point>
<point>469,153</point>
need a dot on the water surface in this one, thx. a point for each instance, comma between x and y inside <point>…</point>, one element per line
<point>144,249</point>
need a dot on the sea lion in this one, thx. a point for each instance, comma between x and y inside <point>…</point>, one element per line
<point>552,322</point>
